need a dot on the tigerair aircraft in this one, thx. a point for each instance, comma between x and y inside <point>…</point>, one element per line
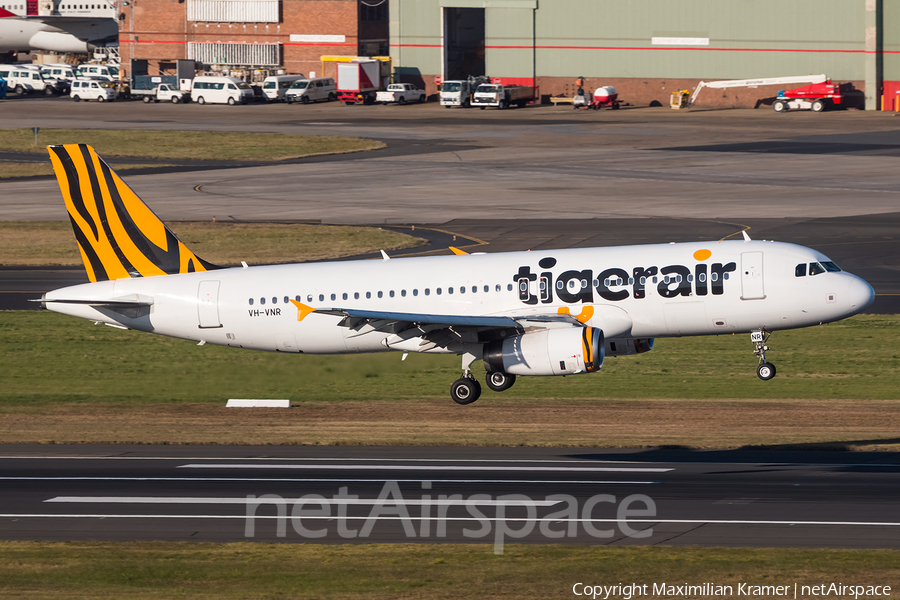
<point>546,313</point>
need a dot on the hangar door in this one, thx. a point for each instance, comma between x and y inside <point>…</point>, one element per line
<point>463,42</point>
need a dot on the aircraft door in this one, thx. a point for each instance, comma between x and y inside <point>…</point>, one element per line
<point>208,304</point>
<point>752,276</point>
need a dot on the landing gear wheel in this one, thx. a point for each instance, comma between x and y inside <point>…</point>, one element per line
<point>465,390</point>
<point>765,371</point>
<point>499,382</point>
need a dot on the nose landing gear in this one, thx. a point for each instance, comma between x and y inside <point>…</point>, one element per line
<point>765,370</point>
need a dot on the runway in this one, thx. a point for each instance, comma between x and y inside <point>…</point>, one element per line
<point>433,495</point>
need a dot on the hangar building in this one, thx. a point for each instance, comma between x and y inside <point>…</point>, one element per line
<point>649,48</point>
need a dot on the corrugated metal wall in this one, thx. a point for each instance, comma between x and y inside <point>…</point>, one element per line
<point>613,38</point>
<point>249,55</point>
<point>233,11</point>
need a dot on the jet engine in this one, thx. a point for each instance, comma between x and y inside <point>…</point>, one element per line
<point>548,352</point>
<point>624,347</point>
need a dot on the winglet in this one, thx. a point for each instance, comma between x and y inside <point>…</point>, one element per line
<point>302,309</point>
<point>746,237</point>
<point>457,251</point>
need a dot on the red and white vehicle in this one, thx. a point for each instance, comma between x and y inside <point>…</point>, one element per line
<point>606,95</point>
<point>816,97</point>
<point>359,81</point>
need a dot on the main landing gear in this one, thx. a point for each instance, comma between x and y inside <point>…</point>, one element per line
<point>467,390</point>
<point>765,370</point>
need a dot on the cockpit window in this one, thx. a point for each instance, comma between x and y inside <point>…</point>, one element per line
<point>816,268</point>
<point>831,267</point>
<point>800,270</point>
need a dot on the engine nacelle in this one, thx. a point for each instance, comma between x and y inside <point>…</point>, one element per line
<point>625,346</point>
<point>548,352</point>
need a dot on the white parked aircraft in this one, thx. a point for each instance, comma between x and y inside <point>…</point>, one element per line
<point>59,31</point>
<point>554,312</point>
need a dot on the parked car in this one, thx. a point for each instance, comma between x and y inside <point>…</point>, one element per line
<point>318,89</point>
<point>91,89</point>
<point>401,93</point>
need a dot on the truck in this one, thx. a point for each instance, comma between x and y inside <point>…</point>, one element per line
<point>164,92</point>
<point>359,81</point>
<point>458,92</point>
<point>502,96</point>
<point>401,93</point>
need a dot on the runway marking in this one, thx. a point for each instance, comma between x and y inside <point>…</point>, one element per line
<point>433,468</point>
<point>461,519</point>
<point>301,500</point>
<point>322,480</point>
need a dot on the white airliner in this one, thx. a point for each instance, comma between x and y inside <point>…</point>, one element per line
<point>58,27</point>
<point>553,312</point>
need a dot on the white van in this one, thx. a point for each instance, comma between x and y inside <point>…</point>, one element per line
<point>59,71</point>
<point>91,89</point>
<point>108,72</point>
<point>220,90</point>
<point>312,90</point>
<point>274,87</point>
<point>27,79</point>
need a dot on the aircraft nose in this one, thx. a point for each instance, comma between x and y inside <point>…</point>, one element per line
<point>860,294</point>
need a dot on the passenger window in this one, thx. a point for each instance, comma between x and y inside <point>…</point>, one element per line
<point>334,297</point>
<point>251,301</point>
<point>403,293</point>
<point>714,277</point>
<point>380,294</point>
<point>356,295</point>
<point>487,288</point>
<point>497,288</point>
<point>321,297</point>
<point>508,287</point>
<point>274,300</point>
<point>438,291</point>
<point>427,292</point>
<point>391,293</point>
<point>560,285</point>
<point>297,298</point>
<point>474,288</point>
<point>415,292</point>
<point>725,275</point>
<point>262,300</point>
<point>462,289</point>
<point>344,296</point>
<point>800,270</point>
<point>368,295</point>
<point>287,299</point>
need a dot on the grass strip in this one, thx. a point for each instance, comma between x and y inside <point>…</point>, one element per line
<point>151,570</point>
<point>187,145</point>
<point>32,243</point>
<point>67,380</point>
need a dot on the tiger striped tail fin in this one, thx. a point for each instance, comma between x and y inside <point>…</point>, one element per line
<point>118,235</point>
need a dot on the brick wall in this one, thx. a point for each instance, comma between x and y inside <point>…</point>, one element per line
<point>158,29</point>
